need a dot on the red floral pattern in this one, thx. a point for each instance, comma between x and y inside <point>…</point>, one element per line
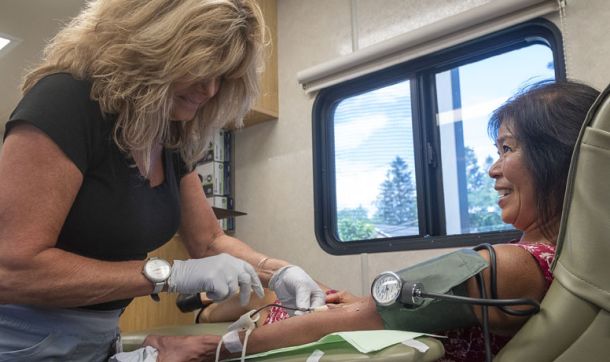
<point>277,314</point>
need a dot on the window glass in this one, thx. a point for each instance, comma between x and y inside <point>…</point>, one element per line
<point>374,165</point>
<point>401,156</point>
<point>466,96</point>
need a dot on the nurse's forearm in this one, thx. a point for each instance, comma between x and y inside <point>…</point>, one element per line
<point>57,278</point>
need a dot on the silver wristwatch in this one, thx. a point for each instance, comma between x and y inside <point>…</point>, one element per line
<point>157,270</point>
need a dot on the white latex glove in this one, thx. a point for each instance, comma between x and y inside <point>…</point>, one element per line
<point>295,288</point>
<point>220,276</point>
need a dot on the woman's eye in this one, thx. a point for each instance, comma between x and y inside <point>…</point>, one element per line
<point>506,148</point>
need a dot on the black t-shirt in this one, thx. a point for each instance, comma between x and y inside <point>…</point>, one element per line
<point>116,215</point>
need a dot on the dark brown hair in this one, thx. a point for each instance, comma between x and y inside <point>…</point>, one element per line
<point>546,119</point>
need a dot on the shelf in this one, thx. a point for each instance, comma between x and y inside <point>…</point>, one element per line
<point>258,115</point>
<point>224,213</point>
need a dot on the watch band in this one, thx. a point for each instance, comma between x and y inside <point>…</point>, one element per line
<point>158,287</point>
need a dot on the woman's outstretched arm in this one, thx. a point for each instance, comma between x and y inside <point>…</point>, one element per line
<point>359,315</point>
<point>518,277</point>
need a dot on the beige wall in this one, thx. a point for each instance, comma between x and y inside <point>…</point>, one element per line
<point>273,167</point>
<point>33,22</point>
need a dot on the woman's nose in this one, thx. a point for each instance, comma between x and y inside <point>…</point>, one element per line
<point>496,169</point>
<point>209,87</point>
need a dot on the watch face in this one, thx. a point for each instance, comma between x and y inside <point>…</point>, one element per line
<point>386,288</point>
<point>157,270</point>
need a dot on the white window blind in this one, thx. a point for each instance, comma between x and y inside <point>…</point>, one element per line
<point>450,31</point>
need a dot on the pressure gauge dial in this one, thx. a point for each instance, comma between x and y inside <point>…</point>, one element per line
<point>386,288</point>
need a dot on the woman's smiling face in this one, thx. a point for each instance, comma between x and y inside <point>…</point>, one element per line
<point>189,96</point>
<point>514,182</point>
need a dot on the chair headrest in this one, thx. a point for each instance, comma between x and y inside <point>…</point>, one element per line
<point>582,264</point>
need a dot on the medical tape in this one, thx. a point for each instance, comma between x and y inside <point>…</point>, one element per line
<point>422,347</point>
<point>246,321</point>
<point>315,356</point>
<point>232,342</point>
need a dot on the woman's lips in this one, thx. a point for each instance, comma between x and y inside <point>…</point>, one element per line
<point>503,193</point>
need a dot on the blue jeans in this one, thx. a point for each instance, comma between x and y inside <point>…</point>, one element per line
<point>29,333</point>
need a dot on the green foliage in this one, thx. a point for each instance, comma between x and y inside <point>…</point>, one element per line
<point>396,202</point>
<point>358,213</point>
<point>353,224</point>
<point>483,210</point>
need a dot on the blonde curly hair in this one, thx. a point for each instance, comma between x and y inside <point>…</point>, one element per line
<point>133,51</point>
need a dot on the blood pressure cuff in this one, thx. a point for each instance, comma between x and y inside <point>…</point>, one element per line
<point>445,274</point>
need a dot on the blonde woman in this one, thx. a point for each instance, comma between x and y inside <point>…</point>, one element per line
<point>97,170</point>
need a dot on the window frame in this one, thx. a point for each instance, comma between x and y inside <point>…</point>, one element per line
<point>420,72</point>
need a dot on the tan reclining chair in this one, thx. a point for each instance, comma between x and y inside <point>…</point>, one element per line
<point>574,322</point>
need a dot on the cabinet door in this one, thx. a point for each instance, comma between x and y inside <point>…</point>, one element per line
<point>266,107</point>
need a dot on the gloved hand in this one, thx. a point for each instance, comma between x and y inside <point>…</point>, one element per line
<point>295,288</point>
<point>219,276</point>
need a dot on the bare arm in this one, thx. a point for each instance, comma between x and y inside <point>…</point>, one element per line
<point>203,236</point>
<point>360,315</point>
<point>518,276</point>
<point>37,188</point>
<point>289,332</point>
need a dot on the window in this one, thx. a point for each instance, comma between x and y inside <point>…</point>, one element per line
<point>401,155</point>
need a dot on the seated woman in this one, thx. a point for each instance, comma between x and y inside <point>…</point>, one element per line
<point>535,133</point>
